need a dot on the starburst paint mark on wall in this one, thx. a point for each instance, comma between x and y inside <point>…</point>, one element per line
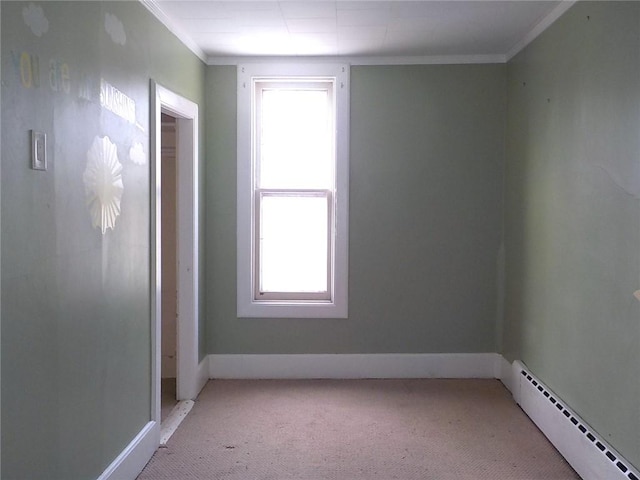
<point>103,183</point>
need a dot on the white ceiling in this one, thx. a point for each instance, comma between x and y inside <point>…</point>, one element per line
<point>477,30</point>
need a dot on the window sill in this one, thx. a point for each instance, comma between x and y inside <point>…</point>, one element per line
<point>277,309</point>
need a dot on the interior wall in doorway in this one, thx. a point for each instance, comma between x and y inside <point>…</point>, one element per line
<point>169,245</point>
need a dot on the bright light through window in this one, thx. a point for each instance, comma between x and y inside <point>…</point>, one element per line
<point>296,147</point>
<point>295,165</point>
<point>293,244</point>
<point>293,124</point>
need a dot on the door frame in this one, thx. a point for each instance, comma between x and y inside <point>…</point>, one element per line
<point>191,374</point>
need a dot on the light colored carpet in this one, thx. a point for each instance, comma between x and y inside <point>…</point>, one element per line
<point>357,429</point>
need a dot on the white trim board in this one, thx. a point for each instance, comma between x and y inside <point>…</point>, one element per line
<point>540,27</point>
<point>335,81</point>
<point>184,37</point>
<point>190,379</point>
<point>585,450</point>
<point>505,373</point>
<point>135,456</point>
<point>173,421</point>
<point>372,60</point>
<point>201,378</point>
<point>336,366</point>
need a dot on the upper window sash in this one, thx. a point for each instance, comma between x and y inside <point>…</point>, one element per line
<point>272,133</point>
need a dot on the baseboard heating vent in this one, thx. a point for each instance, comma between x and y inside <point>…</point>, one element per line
<point>581,446</point>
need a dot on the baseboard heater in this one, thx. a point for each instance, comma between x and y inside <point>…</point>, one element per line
<point>590,456</point>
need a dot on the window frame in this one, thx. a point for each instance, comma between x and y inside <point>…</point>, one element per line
<point>248,201</point>
<point>291,296</point>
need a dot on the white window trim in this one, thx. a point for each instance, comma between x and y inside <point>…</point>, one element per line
<point>247,305</point>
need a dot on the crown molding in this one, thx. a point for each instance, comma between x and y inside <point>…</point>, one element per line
<point>188,42</point>
<point>185,38</point>
<point>354,60</point>
<point>540,27</point>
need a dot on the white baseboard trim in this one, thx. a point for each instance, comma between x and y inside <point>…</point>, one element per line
<point>579,444</point>
<point>591,456</point>
<point>202,375</point>
<point>504,372</point>
<point>193,385</point>
<point>135,456</point>
<point>337,366</point>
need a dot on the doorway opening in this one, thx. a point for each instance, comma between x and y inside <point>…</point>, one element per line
<point>175,260</point>
<point>169,261</point>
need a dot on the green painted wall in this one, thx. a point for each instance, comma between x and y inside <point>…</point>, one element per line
<point>573,216</point>
<point>75,303</point>
<point>425,217</point>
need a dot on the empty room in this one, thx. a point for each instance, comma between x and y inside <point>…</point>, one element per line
<point>320,240</point>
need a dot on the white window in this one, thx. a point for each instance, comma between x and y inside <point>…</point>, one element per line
<point>292,190</point>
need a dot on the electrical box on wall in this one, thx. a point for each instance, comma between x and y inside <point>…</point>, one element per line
<point>38,150</point>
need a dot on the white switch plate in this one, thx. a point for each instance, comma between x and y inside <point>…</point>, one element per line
<point>38,150</point>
